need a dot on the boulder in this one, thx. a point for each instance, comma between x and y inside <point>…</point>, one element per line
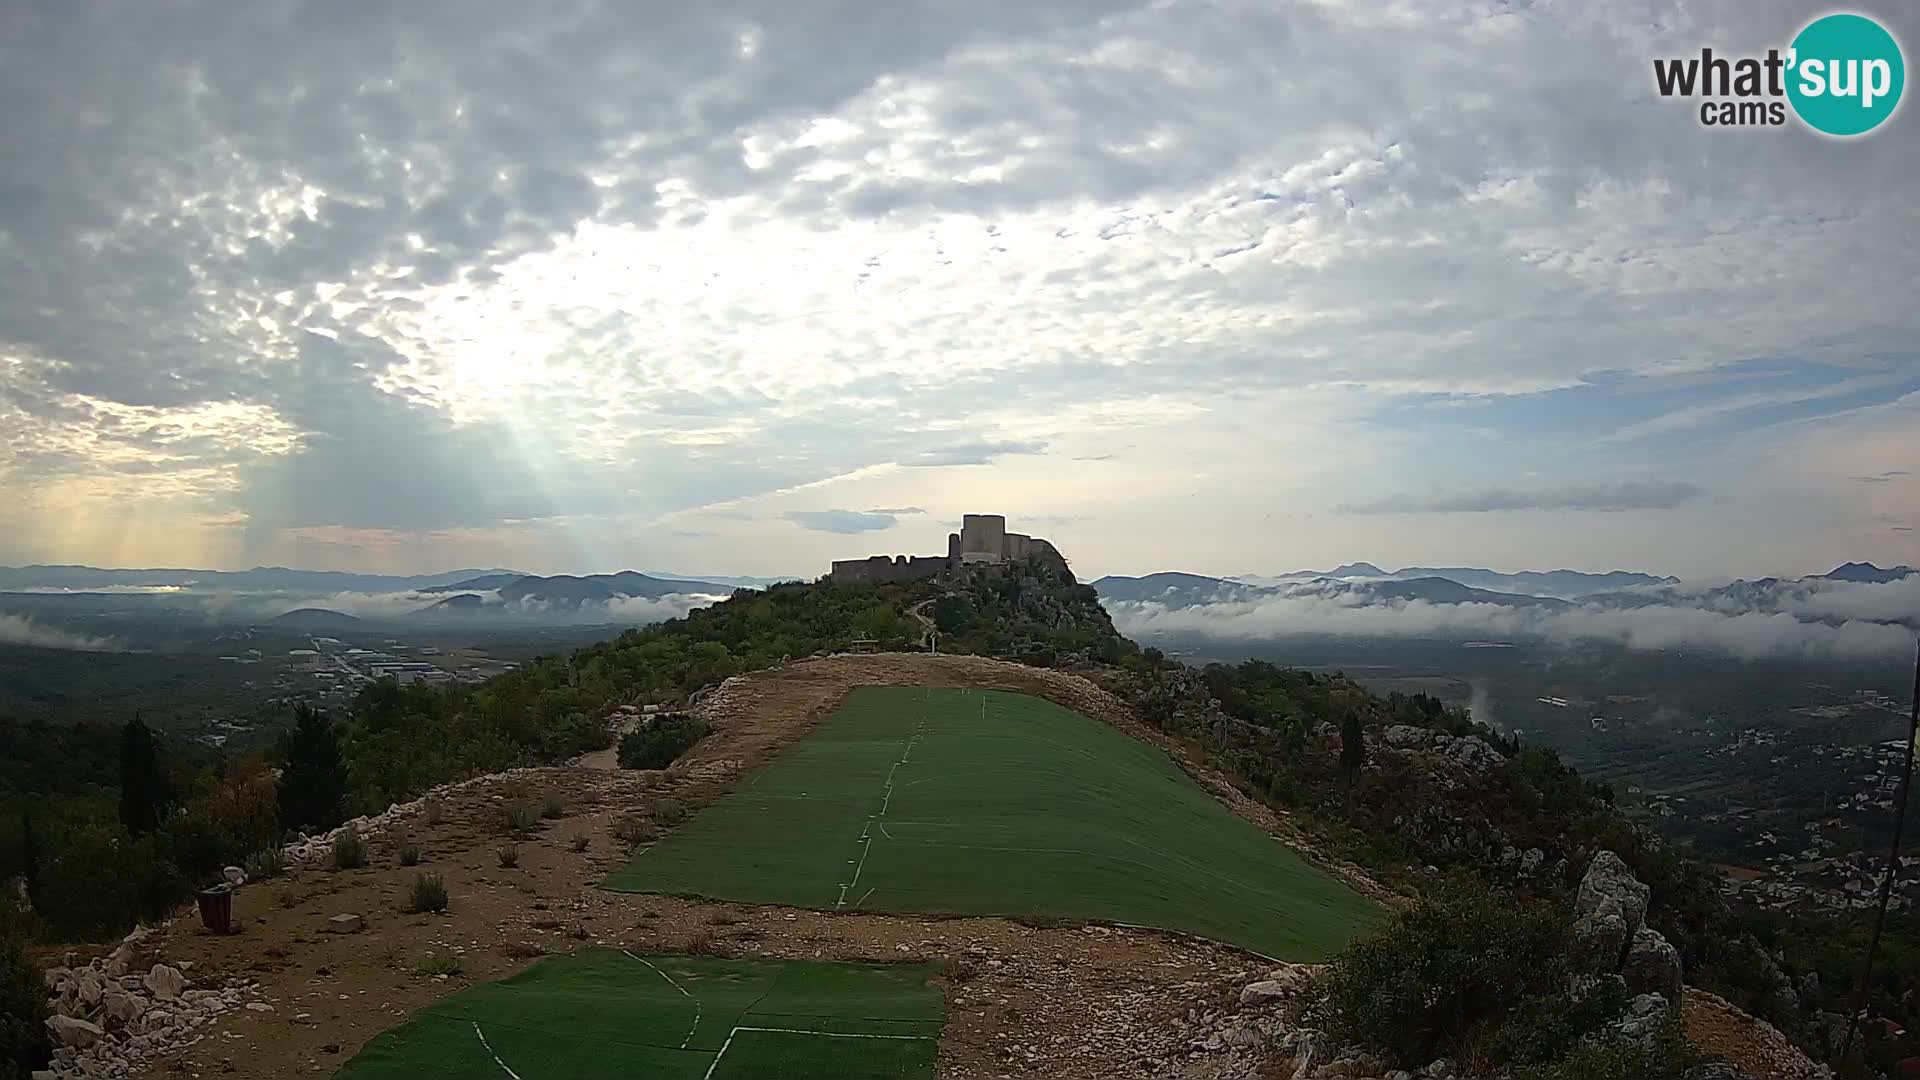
<point>234,876</point>
<point>346,922</point>
<point>1640,1023</point>
<point>69,1031</point>
<point>1609,878</point>
<point>1652,965</point>
<point>1474,755</point>
<point>122,1007</point>
<point>165,982</point>
<point>1264,992</point>
<point>1600,938</point>
<point>1406,736</point>
<point>88,986</point>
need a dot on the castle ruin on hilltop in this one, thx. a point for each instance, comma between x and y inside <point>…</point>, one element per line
<point>983,538</point>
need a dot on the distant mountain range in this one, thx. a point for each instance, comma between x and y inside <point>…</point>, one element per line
<point>1551,590</point>
<point>1566,584</point>
<point>258,579</point>
<point>566,591</point>
<point>1186,590</point>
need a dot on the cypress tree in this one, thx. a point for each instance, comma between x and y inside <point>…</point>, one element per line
<point>143,787</point>
<point>313,784</point>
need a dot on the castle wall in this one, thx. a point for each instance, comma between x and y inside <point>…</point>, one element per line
<point>883,568</point>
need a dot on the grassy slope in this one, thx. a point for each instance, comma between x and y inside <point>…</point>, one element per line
<point>603,1013</point>
<point>970,802</point>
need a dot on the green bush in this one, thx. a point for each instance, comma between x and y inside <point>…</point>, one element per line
<point>661,742</point>
<point>552,807</point>
<point>349,851</point>
<point>429,894</point>
<point>1465,961</point>
<point>409,854</point>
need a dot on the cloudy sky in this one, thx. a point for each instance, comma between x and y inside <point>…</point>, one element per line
<point>742,287</point>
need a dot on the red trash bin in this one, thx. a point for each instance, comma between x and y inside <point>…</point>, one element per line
<point>216,908</point>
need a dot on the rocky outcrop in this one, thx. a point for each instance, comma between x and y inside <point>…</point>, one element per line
<point>1652,965</point>
<point>1608,881</point>
<point>108,1020</point>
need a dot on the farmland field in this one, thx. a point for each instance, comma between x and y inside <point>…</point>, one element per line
<point>610,1013</point>
<point>984,802</point>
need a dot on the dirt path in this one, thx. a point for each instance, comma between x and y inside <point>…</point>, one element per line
<point>1755,1047</point>
<point>1024,1000</point>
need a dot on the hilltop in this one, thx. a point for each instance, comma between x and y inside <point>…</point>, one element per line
<point>1399,796</point>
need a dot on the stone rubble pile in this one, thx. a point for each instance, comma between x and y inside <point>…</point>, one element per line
<point>108,1019</point>
<point>1264,1033</point>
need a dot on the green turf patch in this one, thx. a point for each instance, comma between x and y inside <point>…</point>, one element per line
<point>990,803</point>
<point>605,1013</point>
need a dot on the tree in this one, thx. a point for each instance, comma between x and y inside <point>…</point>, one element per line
<point>30,856</point>
<point>24,1046</point>
<point>1353,744</point>
<point>313,784</point>
<point>144,794</point>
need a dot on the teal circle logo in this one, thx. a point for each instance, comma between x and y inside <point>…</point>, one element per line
<point>1845,74</point>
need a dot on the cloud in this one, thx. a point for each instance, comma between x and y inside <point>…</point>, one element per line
<point>1746,635</point>
<point>1879,478</point>
<point>21,630</point>
<point>1890,601</point>
<point>403,268</point>
<point>898,510</point>
<point>842,521</point>
<point>1631,495</point>
<point>973,453</point>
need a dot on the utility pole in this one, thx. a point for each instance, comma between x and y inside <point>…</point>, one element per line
<point>1893,865</point>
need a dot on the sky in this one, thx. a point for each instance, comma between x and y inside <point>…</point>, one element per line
<point>741,288</point>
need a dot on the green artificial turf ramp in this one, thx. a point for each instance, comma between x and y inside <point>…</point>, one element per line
<point>989,803</point>
<point>606,1013</point>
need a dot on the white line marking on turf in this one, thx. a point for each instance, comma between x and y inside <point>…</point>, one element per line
<point>496,1057</point>
<point>866,834</point>
<point>796,1031</point>
<point>683,991</point>
<point>863,896</point>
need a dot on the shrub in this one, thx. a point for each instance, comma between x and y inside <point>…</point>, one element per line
<point>438,963</point>
<point>409,853</point>
<point>1463,958</point>
<point>579,841</point>
<point>429,894</point>
<point>552,807</point>
<point>669,811</point>
<point>287,898</point>
<point>635,829</point>
<point>661,742</point>
<point>521,817</point>
<point>349,851</point>
<point>508,855</point>
<point>265,864</point>
<point>959,969</point>
<point>1669,1057</point>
